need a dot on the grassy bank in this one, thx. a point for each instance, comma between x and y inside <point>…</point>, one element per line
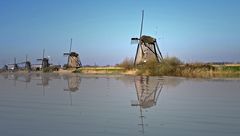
<point>100,70</point>
<point>172,66</point>
<point>167,67</point>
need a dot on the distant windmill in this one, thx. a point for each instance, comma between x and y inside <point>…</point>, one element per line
<point>15,65</point>
<point>5,68</point>
<point>27,64</point>
<point>73,58</point>
<point>45,61</point>
<point>147,48</point>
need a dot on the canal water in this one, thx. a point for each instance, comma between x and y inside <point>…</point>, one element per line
<point>102,105</point>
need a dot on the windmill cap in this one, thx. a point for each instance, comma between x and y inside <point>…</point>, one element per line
<point>73,54</point>
<point>147,39</point>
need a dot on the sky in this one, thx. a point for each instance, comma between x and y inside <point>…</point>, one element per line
<point>192,30</point>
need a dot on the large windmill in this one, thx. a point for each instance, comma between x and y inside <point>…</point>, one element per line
<point>147,48</point>
<point>73,58</point>
<point>45,61</point>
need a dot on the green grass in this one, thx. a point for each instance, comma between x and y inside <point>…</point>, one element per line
<point>231,68</point>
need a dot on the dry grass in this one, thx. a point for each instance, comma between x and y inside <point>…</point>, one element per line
<point>100,70</point>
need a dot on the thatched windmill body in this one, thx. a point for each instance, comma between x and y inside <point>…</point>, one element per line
<point>147,48</point>
<point>73,58</point>
<point>45,61</point>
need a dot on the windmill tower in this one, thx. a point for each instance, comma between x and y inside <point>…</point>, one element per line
<point>147,48</point>
<point>73,58</point>
<point>45,61</point>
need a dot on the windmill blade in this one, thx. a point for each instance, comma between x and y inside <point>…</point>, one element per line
<point>70,46</point>
<point>136,54</point>
<point>66,54</point>
<point>137,40</point>
<point>141,24</point>
<point>43,53</point>
<point>15,60</point>
<point>134,40</point>
<point>39,59</point>
<point>26,57</point>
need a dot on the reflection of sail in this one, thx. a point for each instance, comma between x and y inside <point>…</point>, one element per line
<point>147,90</point>
<point>73,84</point>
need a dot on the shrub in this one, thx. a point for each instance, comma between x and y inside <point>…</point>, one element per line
<point>79,70</point>
<point>127,63</point>
<point>167,67</point>
<point>48,69</point>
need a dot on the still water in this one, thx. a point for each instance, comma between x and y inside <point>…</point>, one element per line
<point>79,105</point>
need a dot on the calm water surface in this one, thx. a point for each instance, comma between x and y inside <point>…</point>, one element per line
<point>79,105</point>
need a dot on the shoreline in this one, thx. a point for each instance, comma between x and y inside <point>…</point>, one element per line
<point>202,74</point>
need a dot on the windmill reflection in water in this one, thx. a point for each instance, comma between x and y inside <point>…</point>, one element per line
<point>73,84</point>
<point>26,78</point>
<point>148,90</point>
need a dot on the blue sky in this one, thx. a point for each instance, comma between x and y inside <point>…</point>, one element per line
<point>192,30</point>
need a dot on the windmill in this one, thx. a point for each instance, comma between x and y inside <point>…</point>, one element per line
<point>73,58</point>
<point>45,61</point>
<point>15,65</point>
<point>147,48</point>
<point>27,64</point>
<point>5,68</point>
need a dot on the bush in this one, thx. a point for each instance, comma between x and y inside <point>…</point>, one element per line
<point>167,67</point>
<point>79,70</point>
<point>48,69</point>
<point>127,63</point>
